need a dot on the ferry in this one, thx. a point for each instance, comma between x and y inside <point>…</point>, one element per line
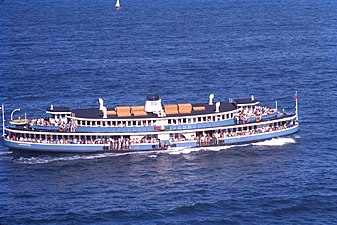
<point>149,127</point>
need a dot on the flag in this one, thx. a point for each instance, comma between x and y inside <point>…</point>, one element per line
<point>295,97</point>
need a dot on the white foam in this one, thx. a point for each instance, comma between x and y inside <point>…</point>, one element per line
<point>49,159</point>
<point>276,142</point>
<point>181,150</point>
<point>5,152</point>
<point>297,136</point>
<point>219,148</point>
<point>188,150</point>
<point>216,148</point>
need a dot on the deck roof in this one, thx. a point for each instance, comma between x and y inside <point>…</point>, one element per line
<point>58,109</point>
<point>95,113</point>
<point>246,101</point>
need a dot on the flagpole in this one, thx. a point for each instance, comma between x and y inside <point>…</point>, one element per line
<point>3,119</point>
<point>296,101</point>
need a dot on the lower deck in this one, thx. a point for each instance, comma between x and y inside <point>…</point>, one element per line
<point>125,146</point>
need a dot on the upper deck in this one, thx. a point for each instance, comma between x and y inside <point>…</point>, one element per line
<point>137,112</point>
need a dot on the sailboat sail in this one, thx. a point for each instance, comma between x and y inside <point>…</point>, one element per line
<point>117,4</point>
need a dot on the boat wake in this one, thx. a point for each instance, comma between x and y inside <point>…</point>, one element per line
<point>272,142</point>
<point>181,150</point>
<point>53,158</point>
<point>276,142</point>
<point>178,151</point>
<point>5,153</point>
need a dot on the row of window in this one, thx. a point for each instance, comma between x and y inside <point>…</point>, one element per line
<point>152,122</point>
<point>59,137</point>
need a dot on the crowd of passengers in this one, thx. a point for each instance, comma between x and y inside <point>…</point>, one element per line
<point>113,143</point>
<point>62,126</point>
<point>213,138</point>
<point>244,115</point>
<point>44,122</point>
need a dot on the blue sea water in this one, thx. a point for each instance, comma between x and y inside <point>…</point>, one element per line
<point>70,53</point>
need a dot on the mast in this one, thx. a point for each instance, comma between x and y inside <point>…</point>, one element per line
<point>117,4</point>
<point>296,103</point>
